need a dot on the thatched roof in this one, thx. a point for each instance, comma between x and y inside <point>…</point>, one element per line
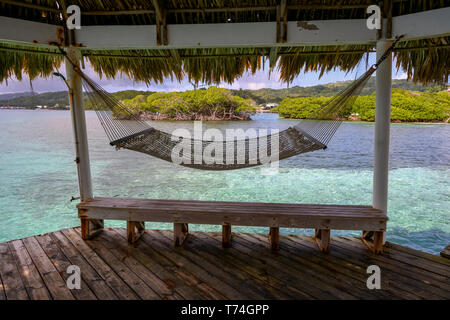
<point>424,60</point>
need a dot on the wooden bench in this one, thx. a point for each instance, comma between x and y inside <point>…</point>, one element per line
<point>322,218</point>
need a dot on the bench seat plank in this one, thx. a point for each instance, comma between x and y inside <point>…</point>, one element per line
<point>289,215</point>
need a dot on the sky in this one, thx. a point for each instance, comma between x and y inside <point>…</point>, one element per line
<point>261,79</point>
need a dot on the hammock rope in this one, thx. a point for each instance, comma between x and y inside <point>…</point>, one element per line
<point>138,135</point>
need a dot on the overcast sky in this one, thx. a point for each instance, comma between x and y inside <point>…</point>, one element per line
<point>258,80</point>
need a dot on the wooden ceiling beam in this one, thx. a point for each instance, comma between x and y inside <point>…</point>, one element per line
<point>422,25</point>
<point>192,10</point>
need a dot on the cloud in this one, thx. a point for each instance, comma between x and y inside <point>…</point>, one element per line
<point>400,75</point>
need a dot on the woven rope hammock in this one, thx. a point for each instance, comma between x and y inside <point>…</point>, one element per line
<point>138,135</point>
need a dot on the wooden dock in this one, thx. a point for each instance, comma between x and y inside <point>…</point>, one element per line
<point>35,268</point>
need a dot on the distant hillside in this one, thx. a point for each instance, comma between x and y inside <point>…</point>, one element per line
<point>50,99</point>
<point>267,95</point>
<point>260,96</point>
<point>8,96</point>
<point>406,106</point>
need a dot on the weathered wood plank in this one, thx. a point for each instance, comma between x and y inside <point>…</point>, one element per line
<point>61,264</point>
<point>181,281</point>
<point>446,252</point>
<point>222,268</point>
<point>326,272</point>
<point>305,247</point>
<point>417,253</point>
<point>249,214</point>
<point>407,279</point>
<point>52,279</point>
<point>35,268</point>
<point>287,272</point>
<point>130,278</point>
<point>112,279</point>
<point>12,282</point>
<point>212,278</point>
<point>257,267</point>
<point>95,282</point>
<point>246,206</point>
<point>253,273</point>
<point>359,261</point>
<point>340,287</point>
<point>122,252</point>
<point>411,262</point>
<point>31,278</point>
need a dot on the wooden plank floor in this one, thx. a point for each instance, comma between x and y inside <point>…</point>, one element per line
<point>35,268</point>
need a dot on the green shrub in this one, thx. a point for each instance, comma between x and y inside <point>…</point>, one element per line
<point>209,102</point>
<point>405,106</point>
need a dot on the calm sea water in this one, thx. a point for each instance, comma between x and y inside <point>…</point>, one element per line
<point>38,176</point>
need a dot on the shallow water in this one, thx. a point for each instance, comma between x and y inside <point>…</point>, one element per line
<point>38,176</point>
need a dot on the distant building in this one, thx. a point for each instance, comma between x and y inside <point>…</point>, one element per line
<point>269,106</point>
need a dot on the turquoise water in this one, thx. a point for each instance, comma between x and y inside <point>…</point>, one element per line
<point>38,176</point>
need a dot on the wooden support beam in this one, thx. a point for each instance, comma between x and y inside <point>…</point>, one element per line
<point>135,229</point>
<point>322,238</point>
<point>373,240</point>
<point>281,29</point>
<point>180,232</point>
<point>388,14</point>
<point>274,238</point>
<point>226,235</point>
<point>90,228</point>
<point>215,35</point>
<point>161,23</point>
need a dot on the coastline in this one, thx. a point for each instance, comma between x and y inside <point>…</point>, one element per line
<point>246,117</point>
<point>392,121</point>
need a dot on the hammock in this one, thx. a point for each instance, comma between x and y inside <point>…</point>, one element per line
<point>138,135</point>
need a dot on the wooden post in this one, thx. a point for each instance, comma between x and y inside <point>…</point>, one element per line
<point>373,240</point>
<point>322,238</point>
<point>382,131</point>
<point>274,238</point>
<point>135,229</point>
<point>88,227</point>
<point>226,235</point>
<point>180,232</point>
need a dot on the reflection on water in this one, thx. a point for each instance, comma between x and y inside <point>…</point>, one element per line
<point>38,175</point>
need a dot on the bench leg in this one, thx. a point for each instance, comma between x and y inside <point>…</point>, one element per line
<point>90,228</point>
<point>226,235</point>
<point>180,232</point>
<point>373,240</point>
<point>322,237</point>
<point>135,229</point>
<point>274,238</point>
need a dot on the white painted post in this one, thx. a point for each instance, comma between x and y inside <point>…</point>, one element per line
<point>382,128</point>
<point>79,125</point>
